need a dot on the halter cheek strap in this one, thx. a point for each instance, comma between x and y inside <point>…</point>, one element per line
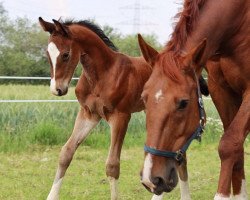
<point>179,155</point>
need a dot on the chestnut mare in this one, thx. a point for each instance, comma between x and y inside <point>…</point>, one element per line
<point>214,34</point>
<point>109,88</point>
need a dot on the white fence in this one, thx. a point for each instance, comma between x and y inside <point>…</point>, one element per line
<point>40,100</point>
<point>32,100</point>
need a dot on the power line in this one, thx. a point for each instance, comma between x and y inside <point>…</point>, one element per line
<point>136,21</point>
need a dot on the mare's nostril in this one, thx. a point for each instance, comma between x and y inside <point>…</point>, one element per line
<point>158,181</point>
<point>160,185</point>
<point>173,178</point>
<point>59,92</point>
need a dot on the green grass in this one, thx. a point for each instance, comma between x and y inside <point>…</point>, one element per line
<point>31,135</point>
<point>29,175</point>
<point>25,124</point>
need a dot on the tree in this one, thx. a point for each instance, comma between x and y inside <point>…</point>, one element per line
<point>23,45</point>
<point>128,44</point>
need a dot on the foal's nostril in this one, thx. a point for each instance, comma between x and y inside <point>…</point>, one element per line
<point>59,92</point>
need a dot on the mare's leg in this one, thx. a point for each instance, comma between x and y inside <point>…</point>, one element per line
<point>231,153</point>
<point>227,107</point>
<point>118,123</point>
<point>157,197</point>
<point>84,123</point>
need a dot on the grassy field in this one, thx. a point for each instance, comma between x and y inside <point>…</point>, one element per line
<point>31,135</point>
<point>25,124</point>
<point>29,175</point>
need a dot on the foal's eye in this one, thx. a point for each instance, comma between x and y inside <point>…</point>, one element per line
<point>65,56</point>
<point>182,104</point>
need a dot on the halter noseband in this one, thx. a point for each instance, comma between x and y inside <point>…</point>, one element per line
<point>179,155</point>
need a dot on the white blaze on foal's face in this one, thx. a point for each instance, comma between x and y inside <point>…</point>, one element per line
<point>53,53</point>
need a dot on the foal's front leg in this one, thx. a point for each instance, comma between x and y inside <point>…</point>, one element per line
<point>183,180</point>
<point>84,123</point>
<point>118,123</point>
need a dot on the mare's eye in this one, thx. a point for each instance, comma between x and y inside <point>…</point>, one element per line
<point>182,104</point>
<point>65,56</point>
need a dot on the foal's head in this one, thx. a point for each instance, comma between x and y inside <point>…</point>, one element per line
<point>63,54</point>
<point>172,113</point>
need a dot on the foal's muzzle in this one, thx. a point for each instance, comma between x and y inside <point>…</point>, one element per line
<point>59,90</point>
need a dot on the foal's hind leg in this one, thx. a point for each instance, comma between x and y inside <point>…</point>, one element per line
<point>183,180</point>
<point>118,123</point>
<point>84,123</point>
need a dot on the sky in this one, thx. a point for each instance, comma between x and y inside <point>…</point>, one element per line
<point>127,16</point>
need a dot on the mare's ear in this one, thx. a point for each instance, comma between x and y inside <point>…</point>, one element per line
<point>194,58</point>
<point>61,28</point>
<point>47,26</point>
<point>148,52</point>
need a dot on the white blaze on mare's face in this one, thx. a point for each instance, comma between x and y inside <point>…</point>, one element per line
<point>53,53</point>
<point>146,173</point>
<point>158,95</point>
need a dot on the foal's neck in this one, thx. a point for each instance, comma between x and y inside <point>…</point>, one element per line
<point>92,45</point>
<point>95,54</point>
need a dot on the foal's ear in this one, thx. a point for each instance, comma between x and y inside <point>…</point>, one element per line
<point>194,58</point>
<point>61,28</point>
<point>47,26</point>
<point>148,52</point>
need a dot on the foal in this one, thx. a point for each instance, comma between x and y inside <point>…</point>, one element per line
<point>109,88</point>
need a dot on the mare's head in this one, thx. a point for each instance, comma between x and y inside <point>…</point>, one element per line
<point>63,55</point>
<point>172,111</point>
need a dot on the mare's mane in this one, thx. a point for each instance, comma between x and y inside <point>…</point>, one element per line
<point>95,28</point>
<point>186,21</point>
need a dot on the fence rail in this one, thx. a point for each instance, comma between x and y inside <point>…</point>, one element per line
<point>40,100</point>
<point>37,101</point>
<point>33,100</point>
<point>28,78</point>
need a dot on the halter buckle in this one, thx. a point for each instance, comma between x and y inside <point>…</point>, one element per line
<point>179,156</point>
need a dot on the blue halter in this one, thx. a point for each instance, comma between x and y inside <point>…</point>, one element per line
<point>179,155</point>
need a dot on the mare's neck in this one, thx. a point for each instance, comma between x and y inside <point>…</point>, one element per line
<point>217,22</point>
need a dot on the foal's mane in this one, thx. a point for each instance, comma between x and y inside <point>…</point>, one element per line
<point>95,28</point>
<point>186,21</point>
